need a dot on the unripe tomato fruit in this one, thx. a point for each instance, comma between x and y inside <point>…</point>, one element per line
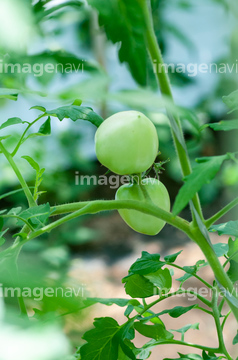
<point>127,143</point>
<point>138,221</point>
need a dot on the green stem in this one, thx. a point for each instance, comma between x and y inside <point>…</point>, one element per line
<point>216,314</point>
<point>165,87</point>
<point>216,266</point>
<point>22,181</point>
<point>79,209</point>
<point>209,222</point>
<point>224,320</point>
<point>23,135</point>
<point>194,275</point>
<point>196,346</point>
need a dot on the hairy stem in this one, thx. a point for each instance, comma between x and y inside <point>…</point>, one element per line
<point>165,87</point>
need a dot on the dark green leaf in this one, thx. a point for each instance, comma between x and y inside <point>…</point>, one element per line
<point>161,279</point>
<point>146,264</point>
<point>102,343</point>
<point>235,340</point>
<point>202,174</point>
<point>75,113</point>
<point>157,331</point>
<point>173,257</point>
<point>177,311</point>
<point>139,287</point>
<point>119,29</point>
<point>45,128</point>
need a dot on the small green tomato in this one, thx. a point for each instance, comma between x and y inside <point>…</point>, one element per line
<point>138,221</point>
<point>127,143</point>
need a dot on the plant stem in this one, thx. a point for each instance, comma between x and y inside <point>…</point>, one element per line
<point>22,181</point>
<point>24,133</point>
<point>216,266</point>
<point>83,208</point>
<point>221,213</point>
<point>194,275</point>
<point>163,79</point>
<point>216,314</point>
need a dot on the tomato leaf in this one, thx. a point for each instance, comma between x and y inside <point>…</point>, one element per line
<point>202,174</point>
<point>11,121</point>
<point>225,125</point>
<point>137,286</point>
<point>161,279</point>
<point>75,113</point>
<point>119,29</point>
<point>146,264</point>
<point>36,215</point>
<point>157,331</point>
<point>172,258</point>
<point>229,228</point>
<point>102,343</point>
<point>45,128</point>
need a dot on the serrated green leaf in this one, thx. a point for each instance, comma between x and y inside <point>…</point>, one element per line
<point>36,215</point>
<point>102,343</point>
<point>146,264</point>
<point>137,286</point>
<point>202,174</point>
<point>161,279</point>
<point>229,228</point>
<point>119,29</point>
<point>225,125</point>
<point>75,113</point>
<point>157,331</point>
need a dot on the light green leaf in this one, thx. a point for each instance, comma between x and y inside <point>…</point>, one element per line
<point>157,331</point>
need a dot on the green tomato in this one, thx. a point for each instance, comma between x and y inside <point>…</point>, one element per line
<point>127,143</point>
<point>138,221</point>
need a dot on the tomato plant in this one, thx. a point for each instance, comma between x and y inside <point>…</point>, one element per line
<point>148,191</point>
<point>127,143</point>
